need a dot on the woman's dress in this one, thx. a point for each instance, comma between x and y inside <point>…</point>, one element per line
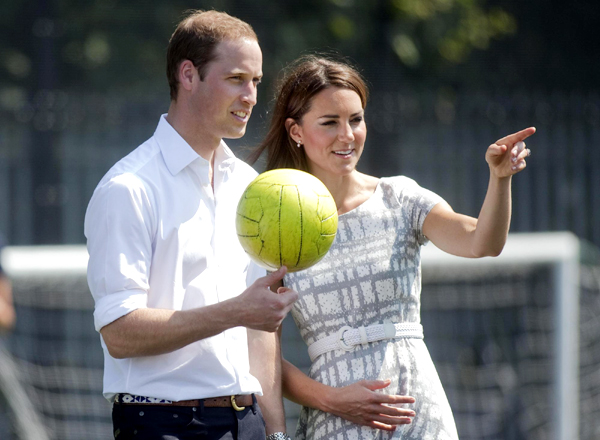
<point>372,275</point>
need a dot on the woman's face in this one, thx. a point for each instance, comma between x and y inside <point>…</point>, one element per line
<point>333,132</point>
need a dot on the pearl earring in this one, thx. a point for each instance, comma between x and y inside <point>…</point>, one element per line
<point>298,144</point>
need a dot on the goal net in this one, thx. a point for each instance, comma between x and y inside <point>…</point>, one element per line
<point>51,381</point>
<point>515,339</point>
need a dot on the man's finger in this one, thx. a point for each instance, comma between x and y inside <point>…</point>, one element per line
<point>290,296</point>
<point>273,277</point>
<point>516,137</point>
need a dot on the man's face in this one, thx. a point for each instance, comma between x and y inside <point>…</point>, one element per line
<point>223,101</point>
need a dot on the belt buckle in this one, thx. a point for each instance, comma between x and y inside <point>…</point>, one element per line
<point>340,339</point>
<point>237,408</point>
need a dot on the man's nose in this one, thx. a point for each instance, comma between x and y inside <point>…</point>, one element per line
<point>250,94</point>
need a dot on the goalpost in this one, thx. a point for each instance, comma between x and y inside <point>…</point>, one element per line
<point>515,339</point>
<point>561,253</point>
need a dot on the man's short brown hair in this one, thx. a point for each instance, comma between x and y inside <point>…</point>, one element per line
<point>196,38</point>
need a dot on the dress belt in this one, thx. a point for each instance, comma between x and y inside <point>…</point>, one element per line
<point>237,402</point>
<point>347,337</point>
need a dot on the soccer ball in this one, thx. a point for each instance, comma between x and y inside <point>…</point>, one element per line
<point>286,217</point>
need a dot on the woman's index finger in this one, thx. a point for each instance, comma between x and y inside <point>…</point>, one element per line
<point>512,139</point>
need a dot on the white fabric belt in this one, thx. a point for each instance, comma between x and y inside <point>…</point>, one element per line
<point>347,337</point>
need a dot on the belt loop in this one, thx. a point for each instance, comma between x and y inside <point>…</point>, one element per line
<point>201,408</point>
<point>363,336</point>
<point>254,403</point>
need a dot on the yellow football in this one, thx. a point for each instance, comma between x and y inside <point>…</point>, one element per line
<point>286,217</point>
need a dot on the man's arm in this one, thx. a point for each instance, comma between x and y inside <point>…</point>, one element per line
<point>265,364</point>
<point>148,332</point>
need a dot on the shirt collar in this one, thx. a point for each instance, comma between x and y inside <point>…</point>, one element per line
<point>178,154</point>
<point>224,158</point>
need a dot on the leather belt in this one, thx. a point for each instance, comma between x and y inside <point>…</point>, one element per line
<point>237,402</point>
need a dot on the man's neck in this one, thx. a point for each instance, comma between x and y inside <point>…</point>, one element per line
<point>187,129</point>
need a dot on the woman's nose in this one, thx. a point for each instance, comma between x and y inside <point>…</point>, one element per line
<point>346,133</point>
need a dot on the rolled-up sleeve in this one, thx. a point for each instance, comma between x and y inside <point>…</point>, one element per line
<point>118,226</point>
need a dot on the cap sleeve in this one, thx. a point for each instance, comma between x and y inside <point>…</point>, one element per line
<point>415,201</point>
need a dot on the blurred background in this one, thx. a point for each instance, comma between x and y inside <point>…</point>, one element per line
<point>82,83</point>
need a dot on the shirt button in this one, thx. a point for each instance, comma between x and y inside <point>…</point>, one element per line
<point>175,416</point>
<point>141,413</point>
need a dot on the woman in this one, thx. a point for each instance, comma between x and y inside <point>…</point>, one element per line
<point>358,308</point>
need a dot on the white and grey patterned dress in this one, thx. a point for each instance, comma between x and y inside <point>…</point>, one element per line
<point>372,275</point>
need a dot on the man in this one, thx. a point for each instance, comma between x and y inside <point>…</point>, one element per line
<point>184,337</point>
<point>7,310</point>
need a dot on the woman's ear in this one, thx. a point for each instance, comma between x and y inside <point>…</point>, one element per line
<point>294,130</point>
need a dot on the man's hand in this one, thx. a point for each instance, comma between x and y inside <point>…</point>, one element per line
<point>261,309</point>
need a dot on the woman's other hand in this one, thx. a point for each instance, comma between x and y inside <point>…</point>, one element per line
<point>360,403</point>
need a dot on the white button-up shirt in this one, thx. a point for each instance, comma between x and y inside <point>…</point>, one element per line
<point>159,237</point>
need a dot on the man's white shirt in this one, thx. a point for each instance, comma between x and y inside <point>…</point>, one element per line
<point>159,237</point>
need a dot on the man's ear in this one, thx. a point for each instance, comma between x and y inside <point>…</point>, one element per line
<point>187,71</point>
<point>294,130</point>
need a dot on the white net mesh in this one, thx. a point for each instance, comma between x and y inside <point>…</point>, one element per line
<point>55,349</point>
<point>504,332</point>
<point>492,327</point>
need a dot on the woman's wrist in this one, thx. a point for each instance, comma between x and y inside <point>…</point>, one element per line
<point>326,400</point>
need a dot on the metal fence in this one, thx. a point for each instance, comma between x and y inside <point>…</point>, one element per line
<point>436,137</point>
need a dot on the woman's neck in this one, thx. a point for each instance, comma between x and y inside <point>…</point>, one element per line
<point>350,191</point>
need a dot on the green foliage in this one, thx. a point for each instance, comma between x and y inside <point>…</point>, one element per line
<point>452,28</point>
<point>107,45</point>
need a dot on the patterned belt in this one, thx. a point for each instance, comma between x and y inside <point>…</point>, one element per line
<point>238,402</point>
<point>347,337</point>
